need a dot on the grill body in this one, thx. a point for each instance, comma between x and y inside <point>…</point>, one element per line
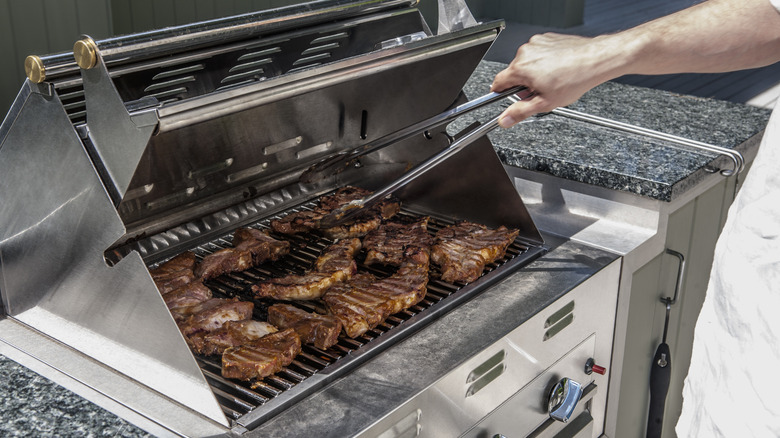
<point>177,137</point>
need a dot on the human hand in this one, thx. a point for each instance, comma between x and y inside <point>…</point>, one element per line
<point>558,68</point>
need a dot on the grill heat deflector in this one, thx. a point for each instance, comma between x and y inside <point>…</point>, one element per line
<point>313,368</point>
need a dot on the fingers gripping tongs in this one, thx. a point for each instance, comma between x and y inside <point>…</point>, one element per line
<point>352,209</point>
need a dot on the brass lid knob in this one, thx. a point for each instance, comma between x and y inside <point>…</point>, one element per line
<point>34,69</point>
<point>85,52</point>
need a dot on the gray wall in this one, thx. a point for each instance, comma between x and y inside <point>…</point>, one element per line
<point>41,27</point>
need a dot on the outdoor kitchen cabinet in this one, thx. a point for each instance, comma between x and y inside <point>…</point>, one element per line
<point>641,230</point>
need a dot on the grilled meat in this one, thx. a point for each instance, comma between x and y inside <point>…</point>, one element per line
<point>188,295</point>
<point>211,315</point>
<point>260,244</point>
<point>365,222</point>
<point>357,310</point>
<point>365,301</point>
<point>322,331</point>
<point>336,264</point>
<point>339,258</point>
<point>308,220</point>
<point>231,334</point>
<point>409,284</point>
<point>251,247</point>
<point>223,261</point>
<point>261,357</point>
<point>463,250</point>
<point>174,273</point>
<point>298,222</point>
<point>386,244</point>
<point>295,287</point>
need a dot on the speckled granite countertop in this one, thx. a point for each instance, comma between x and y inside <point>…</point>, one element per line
<point>31,405</point>
<point>587,153</point>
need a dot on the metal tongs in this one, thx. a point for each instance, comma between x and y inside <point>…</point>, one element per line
<point>349,211</point>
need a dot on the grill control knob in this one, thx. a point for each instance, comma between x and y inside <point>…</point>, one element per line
<point>563,399</point>
<point>591,367</point>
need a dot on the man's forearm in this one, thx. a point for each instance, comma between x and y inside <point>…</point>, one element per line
<point>714,36</point>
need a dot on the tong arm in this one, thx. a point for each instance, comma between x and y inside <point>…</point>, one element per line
<point>337,163</point>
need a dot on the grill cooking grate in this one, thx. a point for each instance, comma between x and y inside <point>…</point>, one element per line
<point>239,398</point>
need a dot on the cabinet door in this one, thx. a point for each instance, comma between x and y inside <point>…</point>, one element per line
<point>692,230</point>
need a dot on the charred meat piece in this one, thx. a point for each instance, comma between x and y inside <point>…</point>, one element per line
<point>359,228</point>
<point>357,310</point>
<point>386,244</point>
<point>295,287</point>
<point>260,244</point>
<point>365,301</point>
<point>231,334</point>
<point>223,261</point>
<point>462,250</point>
<point>174,273</point>
<point>322,331</point>
<point>409,284</point>
<point>190,294</point>
<point>365,222</point>
<point>334,265</point>
<point>251,247</point>
<point>339,258</point>
<point>211,315</point>
<point>308,220</point>
<point>262,357</point>
<point>298,222</point>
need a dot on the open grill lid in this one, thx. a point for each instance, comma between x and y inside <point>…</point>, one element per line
<point>211,126</point>
<point>178,126</point>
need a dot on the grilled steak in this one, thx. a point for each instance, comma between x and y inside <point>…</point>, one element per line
<point>357,309</point>
<point>339,258</point>
<point>251,247</point>
<point>365,222</point>
<point>409,284</point>
<point>262,246</point>
<point>336,264</point>
<point>261,357</point>
<point>188,295</point>
<point>386,244</point>
<point>463,250</point>
<point>308,220</point>
<point>211,315</point>
<point>298,222</point>
<point>223,261</point>
<point>322,331</point>
<point>231,334</point>
<point>365,301</point>
<point>174,273</point>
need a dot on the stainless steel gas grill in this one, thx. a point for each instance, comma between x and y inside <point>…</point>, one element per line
<point>154,144</point>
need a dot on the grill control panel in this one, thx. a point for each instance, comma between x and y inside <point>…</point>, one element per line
<point>506,389</point>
